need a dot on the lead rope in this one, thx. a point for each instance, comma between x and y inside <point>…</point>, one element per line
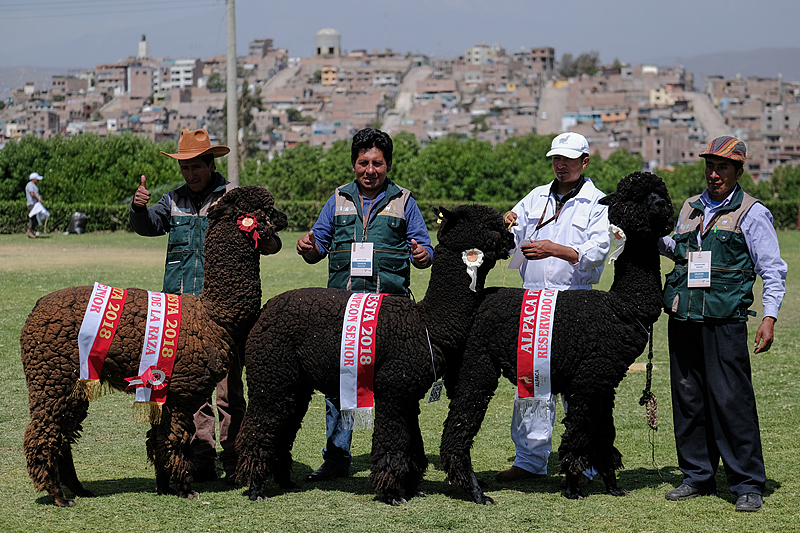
<point>648,399</point>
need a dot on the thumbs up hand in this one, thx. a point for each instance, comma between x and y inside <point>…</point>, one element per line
<point>142,195</point>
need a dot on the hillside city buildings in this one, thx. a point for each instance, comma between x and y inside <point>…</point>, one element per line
<point>487,93</point>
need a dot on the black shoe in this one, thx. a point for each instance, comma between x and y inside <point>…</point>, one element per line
<point>230,479</point>
<point>515,473</point>
<point>749,502</point>
<point>327,471</point>
<point>685,492</point>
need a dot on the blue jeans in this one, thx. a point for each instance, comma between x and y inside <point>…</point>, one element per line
<point>337,445</point>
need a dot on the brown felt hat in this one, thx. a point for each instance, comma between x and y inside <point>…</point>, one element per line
<point>196,143</point>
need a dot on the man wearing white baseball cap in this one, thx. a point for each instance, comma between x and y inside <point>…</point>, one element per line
<point>32,196</point>
<point>562,236</point>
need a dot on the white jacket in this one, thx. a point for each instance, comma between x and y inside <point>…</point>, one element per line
<point>582,225</point>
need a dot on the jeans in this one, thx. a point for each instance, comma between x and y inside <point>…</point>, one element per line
<point>338,439</point>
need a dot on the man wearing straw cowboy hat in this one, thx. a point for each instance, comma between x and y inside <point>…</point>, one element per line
<point>182,214</point>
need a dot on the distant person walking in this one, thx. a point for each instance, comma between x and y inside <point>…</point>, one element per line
<point>32,197</point>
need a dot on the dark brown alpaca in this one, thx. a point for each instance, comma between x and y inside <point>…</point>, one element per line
<point>211,326</point>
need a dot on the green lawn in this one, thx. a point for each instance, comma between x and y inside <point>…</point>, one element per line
<point>110,456</point>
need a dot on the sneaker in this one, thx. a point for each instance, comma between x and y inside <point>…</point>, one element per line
<point>30,234</point>
<point>685,492</point>
<point>749,503</point>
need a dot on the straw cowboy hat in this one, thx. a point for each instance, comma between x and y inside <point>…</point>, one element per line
<point>196,143</point>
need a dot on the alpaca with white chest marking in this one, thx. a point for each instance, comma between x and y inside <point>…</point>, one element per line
<point>596,336</point>
<point>295,347</point>
<point>211,325</point>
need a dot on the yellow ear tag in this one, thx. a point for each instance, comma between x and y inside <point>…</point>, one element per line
<point>439,220</point>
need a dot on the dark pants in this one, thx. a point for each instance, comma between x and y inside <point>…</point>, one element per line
<point>231,407</point>
<point>32,223</point>
<point>714,407</point>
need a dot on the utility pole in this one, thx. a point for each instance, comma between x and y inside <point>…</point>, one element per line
<point>233,128</point>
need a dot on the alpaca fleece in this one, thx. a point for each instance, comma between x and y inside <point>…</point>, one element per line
<point>294,349</point>
<point>211,326</point>
<point>596,336</point>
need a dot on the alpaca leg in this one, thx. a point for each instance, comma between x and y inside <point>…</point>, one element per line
<point>66,469</point>
<point>55,424</point>
<point>574,446</point>
<point>416,452</point>
<point>605,456</point>
<point>469,399</point>
<point>156,437</point>
<point>265,440</point>
<point>282,463</point>
<point>391,442</point>
<point>180,459</point>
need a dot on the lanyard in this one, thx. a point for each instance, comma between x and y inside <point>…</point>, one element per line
<point>564,199</point>
<point>365,221</point>
<point>542,223</point>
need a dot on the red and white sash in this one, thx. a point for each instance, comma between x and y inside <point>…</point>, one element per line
<point>357,361</point>
<point>94,339</point>
<point>533,352</point>
<point>158,355</point>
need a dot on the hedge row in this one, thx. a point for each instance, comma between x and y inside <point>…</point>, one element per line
<point>301,214</point>
<point>14,217</point>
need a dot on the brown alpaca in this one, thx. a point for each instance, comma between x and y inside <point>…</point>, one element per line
<point>211,327</point>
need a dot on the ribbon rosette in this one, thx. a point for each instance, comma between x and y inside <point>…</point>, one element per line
<point>152,378</point>
<point>616,233</point>
<point>473,259</point>
<point>248,224</point>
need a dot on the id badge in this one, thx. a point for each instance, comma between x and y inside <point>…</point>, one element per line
<point>699,269</point>
<point>361,259</point>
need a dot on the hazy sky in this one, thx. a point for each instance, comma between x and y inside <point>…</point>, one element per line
<point>83,33</point>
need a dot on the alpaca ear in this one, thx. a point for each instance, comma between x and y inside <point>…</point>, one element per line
<point>443,215</point>
<point>608,199</point>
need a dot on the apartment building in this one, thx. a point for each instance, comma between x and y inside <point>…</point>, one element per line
<point>62,85</point>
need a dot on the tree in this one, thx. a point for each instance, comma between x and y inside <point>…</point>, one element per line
<point>404,160</point>
<point>566,67</point>
<point>246,103</point>
<point>586,63</point>
<point>294,115</point>
<point>215,83</point>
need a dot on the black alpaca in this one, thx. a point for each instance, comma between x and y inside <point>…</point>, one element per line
<point>294,349</point>
<point>596,336</point>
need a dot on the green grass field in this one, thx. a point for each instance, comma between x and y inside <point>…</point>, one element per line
<point>110,457</point>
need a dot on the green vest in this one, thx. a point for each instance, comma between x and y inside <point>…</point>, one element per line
<point>391,270</point>
<point>183,272</point>
<point>732,275</point>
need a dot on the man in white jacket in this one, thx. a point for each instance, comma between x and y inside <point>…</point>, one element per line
<point>562,236</point>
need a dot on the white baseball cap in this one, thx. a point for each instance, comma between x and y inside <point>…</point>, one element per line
<point>572,145</point>
<point>36,176</point>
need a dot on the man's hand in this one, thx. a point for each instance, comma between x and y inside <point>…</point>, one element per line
<point>142,195</point>
<point>420,256</point>
<point>546,248</point>
<point>307,246</point>
<point>765,335</point>
<point>510,218</point>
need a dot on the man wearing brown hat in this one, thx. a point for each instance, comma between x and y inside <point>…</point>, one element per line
<point>724,237</point>
<point>182,213</point>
